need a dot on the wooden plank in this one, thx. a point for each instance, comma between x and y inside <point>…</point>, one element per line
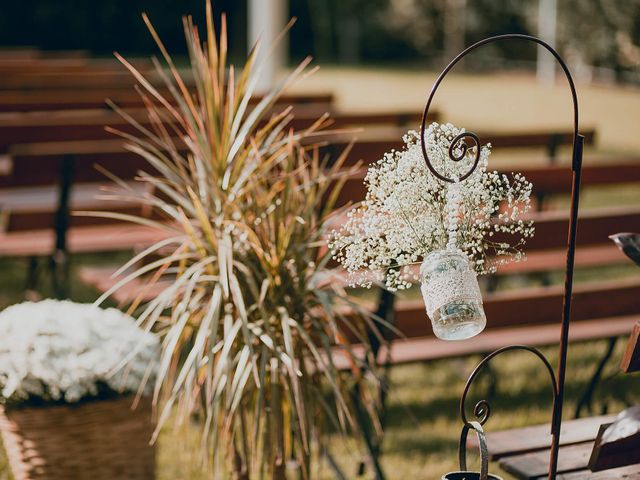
<point>34,208</point>
<point>102,238</point>
<point>73,125</point>
<point>631,358</point>
<point>28,167</point>
<point>537,261</point>
<point>536,306</point>
<point>26,101</point>
<point>420,349</point>
<point>632,472</point>
<point>546,179</point>
<point>531,466</point>
<point>553,260</point>
<point>594,226</point>
<point>63,80</point>
<point>373,144</point>
<point>115,146</point>
<point>518,441</point>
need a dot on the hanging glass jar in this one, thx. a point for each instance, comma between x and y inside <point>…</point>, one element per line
<point>452,295</point>
<point>449,284</point>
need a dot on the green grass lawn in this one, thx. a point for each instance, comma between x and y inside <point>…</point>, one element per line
<point>422,424</point>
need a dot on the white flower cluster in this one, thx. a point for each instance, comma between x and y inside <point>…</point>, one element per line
<point>408,213</point>
<point>64,351</point>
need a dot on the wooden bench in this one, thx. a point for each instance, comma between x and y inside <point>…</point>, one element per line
<point>547,179</point>
<point>80,125</point>
<point>544,250</point>
<point>374,143</point>
<point>31,171</point>
<point>39,100</point>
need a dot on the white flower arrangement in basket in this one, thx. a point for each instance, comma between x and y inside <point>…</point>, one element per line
<point>455,230</point>
<point>64,352</point>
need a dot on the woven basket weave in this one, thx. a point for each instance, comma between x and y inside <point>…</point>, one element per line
<point>100,440</point>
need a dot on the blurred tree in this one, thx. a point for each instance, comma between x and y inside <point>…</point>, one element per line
<point>601,33</point>
<point>437,27</point>
<point>103,26</point>
<point>344,31</point>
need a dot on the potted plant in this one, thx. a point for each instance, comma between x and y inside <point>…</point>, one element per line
<point>249,329</point>
<point>66,406</point>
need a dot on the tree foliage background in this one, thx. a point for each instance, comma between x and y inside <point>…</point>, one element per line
<point>599,33</point>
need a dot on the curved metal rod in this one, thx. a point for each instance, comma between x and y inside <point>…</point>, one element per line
<point>482,409</point>
<point>458,144</point>
<point>460,137</point>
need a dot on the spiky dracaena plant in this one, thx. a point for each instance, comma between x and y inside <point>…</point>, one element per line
<point>248,330</point>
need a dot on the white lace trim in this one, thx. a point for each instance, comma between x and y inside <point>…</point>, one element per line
<point>459,284</point>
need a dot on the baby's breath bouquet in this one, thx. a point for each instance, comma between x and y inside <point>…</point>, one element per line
<point>409,216</point>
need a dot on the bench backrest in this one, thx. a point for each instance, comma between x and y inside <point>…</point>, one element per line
<point>39,100</point>
<point>536,306</point>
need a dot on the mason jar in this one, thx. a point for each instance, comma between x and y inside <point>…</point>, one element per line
<point>452,295</point>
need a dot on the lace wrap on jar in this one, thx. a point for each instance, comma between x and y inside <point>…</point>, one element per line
<point>452,295</point>
<point>452,281</point>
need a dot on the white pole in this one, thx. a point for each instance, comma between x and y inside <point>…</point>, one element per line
<point>266,20</point>
<point>547,17</point>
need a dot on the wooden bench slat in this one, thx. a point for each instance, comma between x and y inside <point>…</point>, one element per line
<point>372,144</point>
<point>546,179</point>
<point>632,472</point>
<point>539,261</point>
<point>518,441</point>
<point>531,466</point>
<point>64,99</point>
<point>83,195</point>
<point>535,306</point>
<point>34,208</point>
<point>102,238</point>
<point>420,349</point>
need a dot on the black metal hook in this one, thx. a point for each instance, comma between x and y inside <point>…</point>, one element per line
<point>457,140</point>
<point>482,409</point>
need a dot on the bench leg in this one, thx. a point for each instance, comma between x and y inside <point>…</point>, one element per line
<point>31,285</point>
<point>59,269</point>
<point>587,397</point>
<point>373,441</point>
<point>58,262</point>
<point>333,465</point>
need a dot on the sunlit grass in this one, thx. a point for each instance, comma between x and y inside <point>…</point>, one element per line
<point>422,424</point>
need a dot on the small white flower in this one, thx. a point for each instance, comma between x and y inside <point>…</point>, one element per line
<point>408,212</point>
<point>63,350</point>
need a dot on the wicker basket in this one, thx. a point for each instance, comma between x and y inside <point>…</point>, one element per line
<point>100,440</point>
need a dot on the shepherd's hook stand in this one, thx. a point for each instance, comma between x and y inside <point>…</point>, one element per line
<point>458,151</point>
